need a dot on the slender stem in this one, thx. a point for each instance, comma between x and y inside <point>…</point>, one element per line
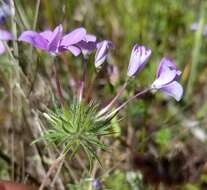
<point>82,82</point>
<point>57,173</point>
<point>196,52</point>
<point>119,93</point>
<point>113,113</point>
<point>36,14</point>
<point>58,86</point>
<point>81,90</point>
<point>90,88</point>
<point>54,165</point>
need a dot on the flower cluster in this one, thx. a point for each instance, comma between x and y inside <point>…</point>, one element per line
<point>76,41</point>
<point>79,41</point>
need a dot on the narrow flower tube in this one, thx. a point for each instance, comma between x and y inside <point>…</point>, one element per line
<point>139,57</point>
<point>102,52</point>
<point>166,79</point>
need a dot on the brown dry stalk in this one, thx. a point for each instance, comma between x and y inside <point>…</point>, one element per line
<point>54,165</point>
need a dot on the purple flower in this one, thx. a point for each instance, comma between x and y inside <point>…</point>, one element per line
<point>5,11</point>
<point>4,36</point>
<point>102,52</point>
<point>96,184</point>
<point>88,44</point>
<point>139,57</point>
<point>195,25</point>
<point>54,41</point>
<point>166,77</point>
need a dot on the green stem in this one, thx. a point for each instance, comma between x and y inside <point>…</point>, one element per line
<point>119,93</point>
<point>196,52</point>
<point>113,113</point>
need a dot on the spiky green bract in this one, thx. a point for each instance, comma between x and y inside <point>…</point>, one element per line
<point>75,127</point>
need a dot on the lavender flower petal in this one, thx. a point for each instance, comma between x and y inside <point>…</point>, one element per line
<point>28,36</point>
<point>96,184</point>
<point>88,44</point>
<point>86,47</point>
<point>55,39</point>
<point>73,37</point>
<point>5,10</point>
<point>90,38</point>
<point>47,34</point>
<point>2,48</point>
<point>194,27</point>
<point>173,89</point>
<point>165,62</point>
<point>5,35</point>
<point>102,52</point>
<point>139,57</point>
<point>35,39</point>
<point>40,42</point>
<point>166,73</point>
<point>166,77</point>
<point>74,50</point>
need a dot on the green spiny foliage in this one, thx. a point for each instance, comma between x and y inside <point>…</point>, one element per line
<point>75,127</point>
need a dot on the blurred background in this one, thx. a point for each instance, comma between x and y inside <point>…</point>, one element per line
<point>169,137</point>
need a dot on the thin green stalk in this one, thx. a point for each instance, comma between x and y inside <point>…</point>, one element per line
<point>113,113</point>
<point>22,16</point>
<point>15,76</point>
<point>82,82</point>
<point>36,14</point>
<point>196,53</point>
<point>104,110</point>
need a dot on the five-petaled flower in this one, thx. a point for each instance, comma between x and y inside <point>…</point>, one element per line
<point>4,36</point>
<point>102,52</point>
<point>166,79</point>
<point>139,56</point>
<point>53,41</point>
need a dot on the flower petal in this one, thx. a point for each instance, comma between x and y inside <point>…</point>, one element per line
<point>173,89</point>
<point>166,73</point>
<point>90,38</point>
<point>47,34</point>
<point>35,39</point>
<point>73,37</point>
<point>139,57</point>
<point>166,77</point>
<point>55,39</point>
<point>40,42</point>
<point>5,35</point>
<point>28,36</point>
<point>87,47</point>
<point>166,62</point>
<point>74,50</point>
<point>102,52</point>
<point>2,48</point>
